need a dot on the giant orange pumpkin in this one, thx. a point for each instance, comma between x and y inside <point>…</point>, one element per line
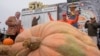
<point>55,39</point>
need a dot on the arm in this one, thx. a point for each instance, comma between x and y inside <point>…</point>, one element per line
<point>38,18</point>
<point>76,17</point>
<point>75,20</point>
<point>51,19</point>
<point>8,22</point>
<point>11,21</point>
<point>86,24</point>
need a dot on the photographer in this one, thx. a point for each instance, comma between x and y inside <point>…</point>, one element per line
<point>92,27</point>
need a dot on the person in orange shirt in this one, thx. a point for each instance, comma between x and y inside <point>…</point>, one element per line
<point>65,19</point>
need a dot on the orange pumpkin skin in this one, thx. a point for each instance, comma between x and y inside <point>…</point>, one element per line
<point>21,30</point>
<point>4,50</point>
<point>8,41</point>
<point>15,48</point>
<point>57,39</point>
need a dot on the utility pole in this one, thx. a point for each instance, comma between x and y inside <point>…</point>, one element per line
<point>67,6</point>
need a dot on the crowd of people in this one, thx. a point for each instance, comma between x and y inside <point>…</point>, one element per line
<point>15,26</point>
<point>91,25</point>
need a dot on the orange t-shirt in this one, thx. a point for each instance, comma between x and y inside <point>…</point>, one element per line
<point>68,21</point>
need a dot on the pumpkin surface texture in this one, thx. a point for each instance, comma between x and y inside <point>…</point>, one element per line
<point>55,39</point>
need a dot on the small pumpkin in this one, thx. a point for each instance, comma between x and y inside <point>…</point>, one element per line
<point>8,41</point>
<point>56,39</point>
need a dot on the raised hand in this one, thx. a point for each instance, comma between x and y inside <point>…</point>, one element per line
<point>49,13</point>
<point>77,12</point>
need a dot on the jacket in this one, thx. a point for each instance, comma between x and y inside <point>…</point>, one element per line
<point>13,25</point>
<point>92,28</point>
<point>35,21</point>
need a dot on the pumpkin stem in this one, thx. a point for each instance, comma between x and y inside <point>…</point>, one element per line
<point>32,43</point>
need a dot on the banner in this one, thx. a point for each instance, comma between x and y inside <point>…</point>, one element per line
<point>27,15</point>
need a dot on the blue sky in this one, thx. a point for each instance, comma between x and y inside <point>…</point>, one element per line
<point>9,7</point>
